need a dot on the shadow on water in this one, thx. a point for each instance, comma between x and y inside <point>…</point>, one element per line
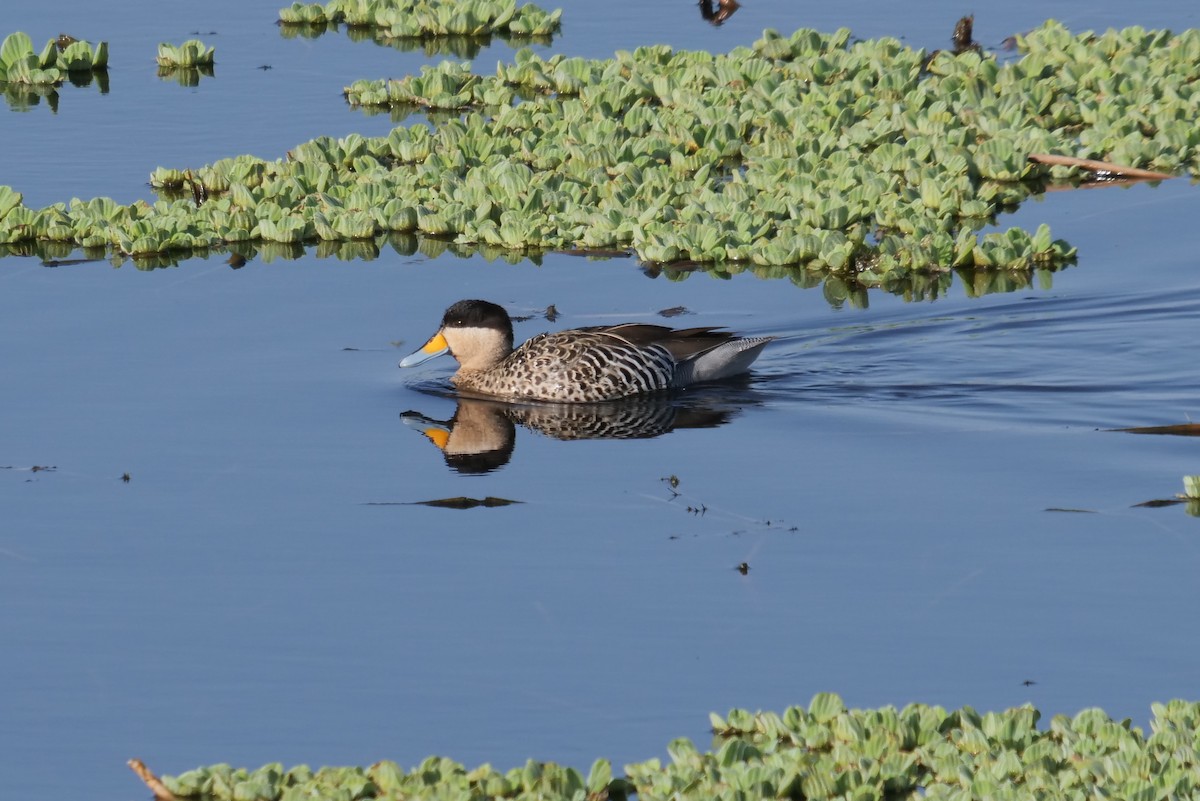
<point>481,435</point>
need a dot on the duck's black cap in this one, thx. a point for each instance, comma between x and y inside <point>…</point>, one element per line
<point>477,314</point>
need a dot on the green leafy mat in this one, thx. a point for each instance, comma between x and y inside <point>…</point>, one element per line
<point>418,19</point>
<point>868,161</point>
<point>823,752</point>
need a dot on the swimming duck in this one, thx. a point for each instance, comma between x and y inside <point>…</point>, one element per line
<point>582,365</point>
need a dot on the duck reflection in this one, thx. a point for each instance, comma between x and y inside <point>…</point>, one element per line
<point>481,435</point>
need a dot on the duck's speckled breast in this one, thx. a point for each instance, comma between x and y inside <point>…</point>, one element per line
<point>575,367</point>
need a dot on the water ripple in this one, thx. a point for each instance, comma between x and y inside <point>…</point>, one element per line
<point>1094,360</point>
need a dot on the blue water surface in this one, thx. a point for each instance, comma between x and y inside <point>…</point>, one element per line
<point>928,496</point>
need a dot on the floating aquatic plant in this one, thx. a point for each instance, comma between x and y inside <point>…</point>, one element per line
<point>192,53</point>
<point>803,156</point>
<point>824,751</point>
<point>1191,494</point>
<point>419,19</point>
<point>187,63</point>
<point>27,78</point>
<point>460,47</point>
<point>76,56</point>
<point>305,14</point>
<point>20,64</point>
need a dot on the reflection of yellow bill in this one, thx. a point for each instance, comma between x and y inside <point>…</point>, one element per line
<point>436,346</point>
<point>438,436</point>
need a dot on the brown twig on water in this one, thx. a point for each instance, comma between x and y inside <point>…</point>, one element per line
<point>158,788</point>
<point>1092,165</point>
<point>1179,429</point>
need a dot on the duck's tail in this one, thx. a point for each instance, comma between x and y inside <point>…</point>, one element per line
<point>723,361</point>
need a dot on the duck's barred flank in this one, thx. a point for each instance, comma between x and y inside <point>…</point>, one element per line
<point>575,366</point>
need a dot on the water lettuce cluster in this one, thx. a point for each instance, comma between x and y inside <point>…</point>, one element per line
<point>192,53</point>
<point>412,19</point>
<point>844,150</point>
<point>19,64</point>
<point>823,752</point>
<point>869,160</point>
<point>434,47</point>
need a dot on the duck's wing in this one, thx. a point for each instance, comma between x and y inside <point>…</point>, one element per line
<point>682,343</point>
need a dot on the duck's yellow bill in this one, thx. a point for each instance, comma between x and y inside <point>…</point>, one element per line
<point>436,346</point>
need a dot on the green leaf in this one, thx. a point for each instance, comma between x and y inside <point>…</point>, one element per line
<point>16,47</point>
<point>77,57</point>
<point>9,199</point>
<point>824,707</point>
<point>49,56</point>
<point>387,776</point>
<point>600,776</point>
<point>1041,239</point>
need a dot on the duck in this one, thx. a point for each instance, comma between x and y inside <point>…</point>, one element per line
<point>580,365</point>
